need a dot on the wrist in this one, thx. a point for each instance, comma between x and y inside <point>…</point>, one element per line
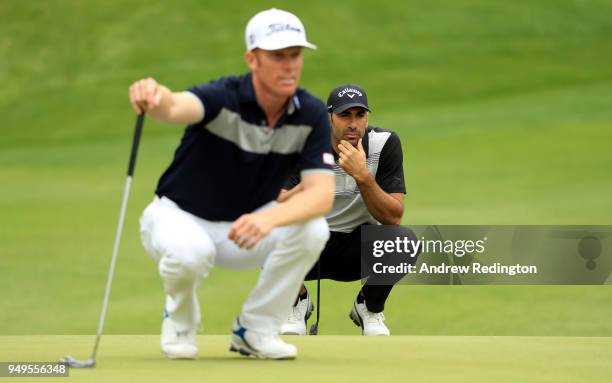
<point>363,178</point>
<point>270,216</point>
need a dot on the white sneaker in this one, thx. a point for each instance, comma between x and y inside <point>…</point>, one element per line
<point>178,344</point>
<point>370,323</point>
<point>296,323</point>
<point>263,346</point>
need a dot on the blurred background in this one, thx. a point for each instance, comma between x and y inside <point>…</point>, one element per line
<point>504,110</point>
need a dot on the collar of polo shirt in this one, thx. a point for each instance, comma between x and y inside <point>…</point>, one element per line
<point>246,93</point>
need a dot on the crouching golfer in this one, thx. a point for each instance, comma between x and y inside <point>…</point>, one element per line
<point>369,190</point>
<point>215,204</point>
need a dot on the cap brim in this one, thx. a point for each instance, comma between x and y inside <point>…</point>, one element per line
<point>350,105</point>
<point>282,44</point>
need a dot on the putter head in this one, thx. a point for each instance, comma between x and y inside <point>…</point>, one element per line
<point>74,363</point>
<point>314,329</point>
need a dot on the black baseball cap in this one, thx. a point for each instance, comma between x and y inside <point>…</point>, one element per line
<point>347,96</point>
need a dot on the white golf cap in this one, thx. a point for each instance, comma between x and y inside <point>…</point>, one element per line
<point>275,29</point>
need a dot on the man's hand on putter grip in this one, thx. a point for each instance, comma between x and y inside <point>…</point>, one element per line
<point>145,95</point>
<point>249,229</point>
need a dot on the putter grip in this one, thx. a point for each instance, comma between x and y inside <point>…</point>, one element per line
<point>135,142</point>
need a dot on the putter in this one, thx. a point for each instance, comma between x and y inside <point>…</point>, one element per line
<point>314,329</point>
<point>91,362</point>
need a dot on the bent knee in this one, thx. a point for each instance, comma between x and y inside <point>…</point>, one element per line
<point>314,234</point>
<point>181,263</point>
<point>178,268</point>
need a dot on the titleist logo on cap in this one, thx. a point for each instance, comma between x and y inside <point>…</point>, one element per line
<point>279,27</point>
<point>349,90</point>
<point>274,29</point>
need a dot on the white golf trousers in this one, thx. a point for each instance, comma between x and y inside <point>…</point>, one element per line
<point>186,247</point>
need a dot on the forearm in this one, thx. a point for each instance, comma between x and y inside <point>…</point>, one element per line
<point>176,107</point>
<point>163,111</point>
<point>302,205</point>
<point>159,102</point>
<point>314,201</point>
<point>383,207</point>
<point>287,194</point>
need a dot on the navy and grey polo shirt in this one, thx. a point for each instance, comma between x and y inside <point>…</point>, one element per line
<point>231,162</point>
<point>384,159</point>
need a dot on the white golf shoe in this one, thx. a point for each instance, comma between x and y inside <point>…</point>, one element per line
<point>296,323</point>
<point>263,346</point>
<point>371,324</point>
<point>178,344</point>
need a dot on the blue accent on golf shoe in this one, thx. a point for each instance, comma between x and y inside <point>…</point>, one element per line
<point>268,346</point>
<point>240,333</point>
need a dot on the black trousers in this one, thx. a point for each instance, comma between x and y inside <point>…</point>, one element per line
<point>341,261</point>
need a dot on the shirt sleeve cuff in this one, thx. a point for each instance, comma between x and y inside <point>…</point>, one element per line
<point>306,172</point>
<point>195,97</point>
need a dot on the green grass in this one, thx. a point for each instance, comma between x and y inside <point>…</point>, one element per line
<point>337,358</point>
<point>504,114</point>
<point>503,110</point>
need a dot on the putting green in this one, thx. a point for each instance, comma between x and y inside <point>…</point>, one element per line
<point>133,358</point>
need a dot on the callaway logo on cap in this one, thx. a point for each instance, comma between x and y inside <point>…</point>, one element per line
<point>347,96</point>
<point>275,29</point>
